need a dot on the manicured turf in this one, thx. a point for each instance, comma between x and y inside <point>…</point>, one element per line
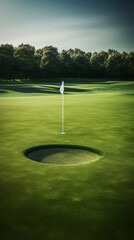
<point>75,202</point>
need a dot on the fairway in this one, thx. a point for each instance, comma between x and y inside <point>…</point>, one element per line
<point>90,201</point>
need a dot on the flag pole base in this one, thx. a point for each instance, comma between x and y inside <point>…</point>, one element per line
<point>62,132</point>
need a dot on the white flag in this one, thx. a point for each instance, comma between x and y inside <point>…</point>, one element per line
<point>62,88</point>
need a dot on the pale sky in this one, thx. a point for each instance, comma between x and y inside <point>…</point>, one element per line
<point>91,25</point>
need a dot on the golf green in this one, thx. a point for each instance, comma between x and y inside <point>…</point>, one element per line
<point>86,201</point>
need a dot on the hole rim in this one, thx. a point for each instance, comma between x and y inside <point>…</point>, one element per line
<point>48,146</point>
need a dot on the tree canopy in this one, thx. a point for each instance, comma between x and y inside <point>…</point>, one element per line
<point>26,62</point>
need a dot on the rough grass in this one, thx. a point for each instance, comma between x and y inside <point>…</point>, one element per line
<point>80,202</point>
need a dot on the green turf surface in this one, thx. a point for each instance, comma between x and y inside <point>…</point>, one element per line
<point>41,89</point>
<point>78,202</point>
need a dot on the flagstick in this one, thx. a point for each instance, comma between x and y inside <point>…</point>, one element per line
<point>63,112</point>
<point>62,115</point>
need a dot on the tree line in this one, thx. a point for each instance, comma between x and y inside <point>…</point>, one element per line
<point>25,61</point>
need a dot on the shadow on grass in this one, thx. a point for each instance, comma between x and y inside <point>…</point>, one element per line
<point>38,89</point>
<point>2,91</point>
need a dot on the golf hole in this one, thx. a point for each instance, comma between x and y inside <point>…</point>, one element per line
<point>63,154</point>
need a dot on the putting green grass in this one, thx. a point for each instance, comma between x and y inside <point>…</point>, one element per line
<point>92,201</point>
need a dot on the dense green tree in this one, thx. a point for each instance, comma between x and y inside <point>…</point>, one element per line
<point>111,52</point>
<point>50,63</point>
<point>130,64</point>
<point>66,64</point>
<point>98,63</point>
<point>80,62</point>
<point>81,65</point>
<point>124,60</point>
<point>24,51</point>
<point>114,64</point>
<point>7,61</point>
<point>7,50</point>
<point>88,55</point>
<point>38,55</point>
<point>26,63</point>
